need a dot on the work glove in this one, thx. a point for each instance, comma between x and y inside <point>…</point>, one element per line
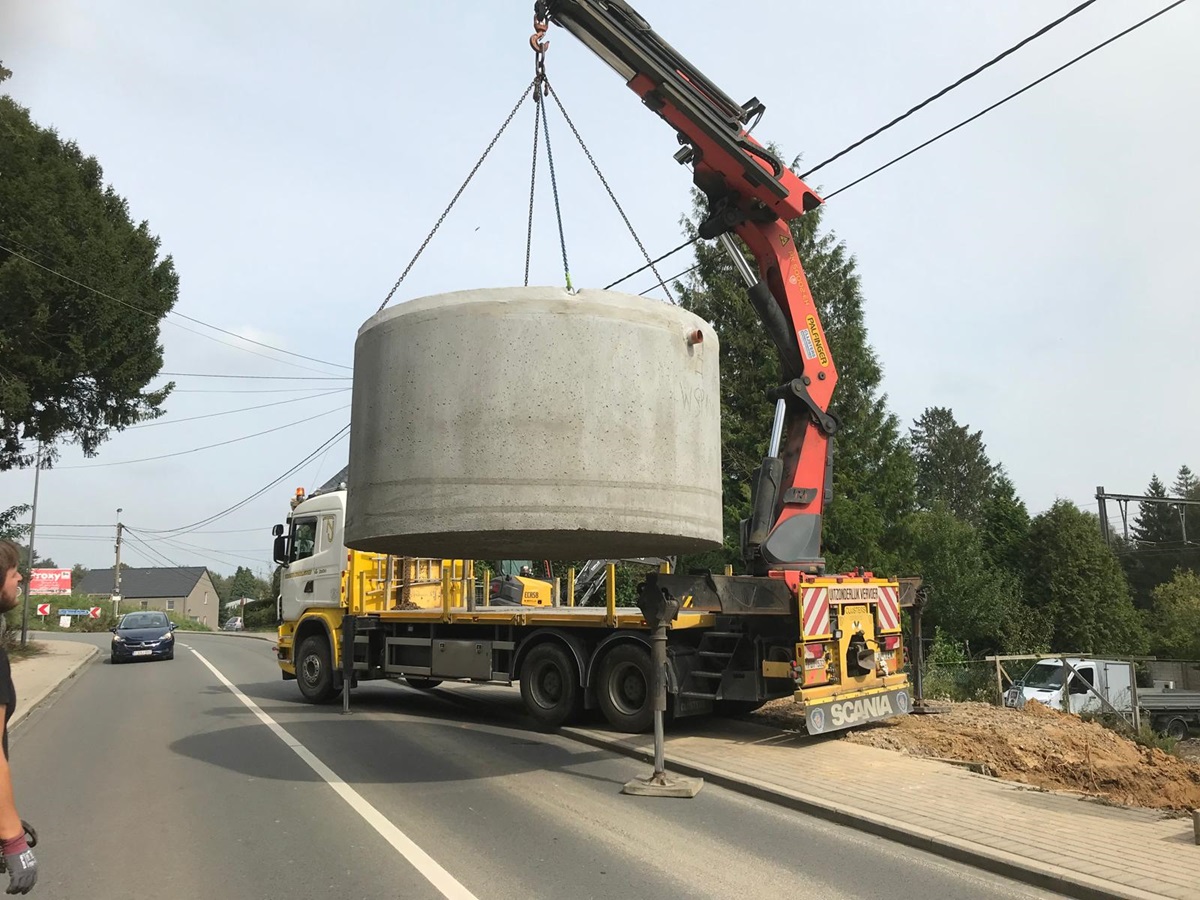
<point>19,861</point>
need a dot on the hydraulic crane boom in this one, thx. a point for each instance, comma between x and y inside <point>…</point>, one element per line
<point>752,194</point>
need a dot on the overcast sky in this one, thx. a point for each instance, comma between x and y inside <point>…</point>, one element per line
<point>1034,271</point>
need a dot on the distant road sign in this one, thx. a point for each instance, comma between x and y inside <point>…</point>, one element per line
<point>74,612</point>
<point>43,609</point>
<point>94,612</point>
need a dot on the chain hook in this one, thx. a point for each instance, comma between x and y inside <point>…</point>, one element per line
<point>540,45</point>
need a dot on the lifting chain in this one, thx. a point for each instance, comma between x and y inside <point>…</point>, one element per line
<point>454,199</point>
<point>540,88</point>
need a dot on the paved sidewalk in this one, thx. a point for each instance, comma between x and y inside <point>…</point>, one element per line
<point>1053,840</point>
<point>36,677</point>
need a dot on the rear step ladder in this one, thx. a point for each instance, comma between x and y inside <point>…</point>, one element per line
<point>716,651</point>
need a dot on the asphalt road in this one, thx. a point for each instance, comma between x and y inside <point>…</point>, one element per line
<point>154,779</point>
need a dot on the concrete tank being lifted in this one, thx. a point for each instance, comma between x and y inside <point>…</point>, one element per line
<point>516,423</point>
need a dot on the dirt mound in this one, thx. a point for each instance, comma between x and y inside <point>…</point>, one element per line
<point>1037,746</point>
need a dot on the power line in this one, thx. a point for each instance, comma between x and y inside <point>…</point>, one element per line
<point>172,312</point>
<point>1011,96</point>
<point>672,278</point>
<point>949,131</point>
<point>245,437</point>
<point>944,91</point>
<point>259,377</point>
<point>195,526</point>
<point>231,531</point>
<point>311,390</point>
<point>75,537</point>
<point>109,525</point>
<point>171,542</point>
<point>657,259</point>
<point>152,555</point>
<point>230,412</point>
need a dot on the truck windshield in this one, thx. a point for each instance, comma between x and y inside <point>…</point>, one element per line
<point>1044,675</point>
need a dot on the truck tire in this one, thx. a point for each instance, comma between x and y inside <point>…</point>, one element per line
<point>1177,728</point>
<point>550,686</point>
<point>624,689</point>
<point>421,684</point>
<point>314,670</point>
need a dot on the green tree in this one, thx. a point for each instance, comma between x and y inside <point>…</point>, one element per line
<point>76,365</point>
<point>952,465</point>
<point>78,573</point>
<point>1157,548</point>
<point>971,601</point>
<point>1005,527</point>
<point>1175,617</point>
<point>872,472</point>
<point>10,528</point>
<point>39,562</point>
<point>1077,581</point>
<point>244,584</point>
<point>1156,523</point>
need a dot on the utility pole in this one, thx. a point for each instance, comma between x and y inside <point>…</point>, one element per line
<point>1105,531</point>
<point>116,597</point>
<point>37,475</point>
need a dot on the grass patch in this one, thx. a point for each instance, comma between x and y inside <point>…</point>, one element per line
<point>16,652</point>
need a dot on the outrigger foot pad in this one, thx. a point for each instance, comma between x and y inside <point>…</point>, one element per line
<point>664,785</point>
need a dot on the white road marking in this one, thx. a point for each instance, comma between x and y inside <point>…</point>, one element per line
<point>446,883</point>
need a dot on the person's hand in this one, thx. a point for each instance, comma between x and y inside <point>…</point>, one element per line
<point>20,863</point>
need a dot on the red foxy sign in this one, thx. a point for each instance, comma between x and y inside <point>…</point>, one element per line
<point>50,581</point>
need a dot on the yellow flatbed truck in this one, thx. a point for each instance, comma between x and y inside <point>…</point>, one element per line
<point>831,643</point>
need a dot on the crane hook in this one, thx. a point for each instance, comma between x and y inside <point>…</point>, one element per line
<point>540,45</point>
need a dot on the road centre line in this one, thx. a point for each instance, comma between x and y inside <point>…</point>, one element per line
<point>445,883</point>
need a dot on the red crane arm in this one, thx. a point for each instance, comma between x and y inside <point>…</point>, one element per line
<point>752,194</point>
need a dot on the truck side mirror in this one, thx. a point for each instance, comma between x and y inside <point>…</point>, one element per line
<point>280,551</point>
<point>276,530</point>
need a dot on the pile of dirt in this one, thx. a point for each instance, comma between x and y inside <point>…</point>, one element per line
<point>1034,745</point>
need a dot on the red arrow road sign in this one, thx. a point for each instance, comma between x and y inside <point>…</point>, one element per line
<point>43,609</point>
<point>94,612</point>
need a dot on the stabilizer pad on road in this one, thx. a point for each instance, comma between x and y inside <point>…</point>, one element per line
<point>664,786</point>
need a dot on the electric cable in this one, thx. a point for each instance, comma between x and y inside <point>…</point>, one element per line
<point>208,520</point>
<point>999,103</point>
<point>172,312</point>
<point>961,124</point>
<point>944,91</point>
<point>245,437</point>
<point>230,412</point>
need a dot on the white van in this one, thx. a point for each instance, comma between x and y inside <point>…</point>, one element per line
<point>1044,683</point>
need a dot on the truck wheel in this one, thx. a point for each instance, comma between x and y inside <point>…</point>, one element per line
<point>314,670</point>
<point>1177,728</point>
<point>625,688</point>
<point>422,684</point>
<point>550,686</point>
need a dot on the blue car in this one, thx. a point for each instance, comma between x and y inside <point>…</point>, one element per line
<point>143,635</point>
